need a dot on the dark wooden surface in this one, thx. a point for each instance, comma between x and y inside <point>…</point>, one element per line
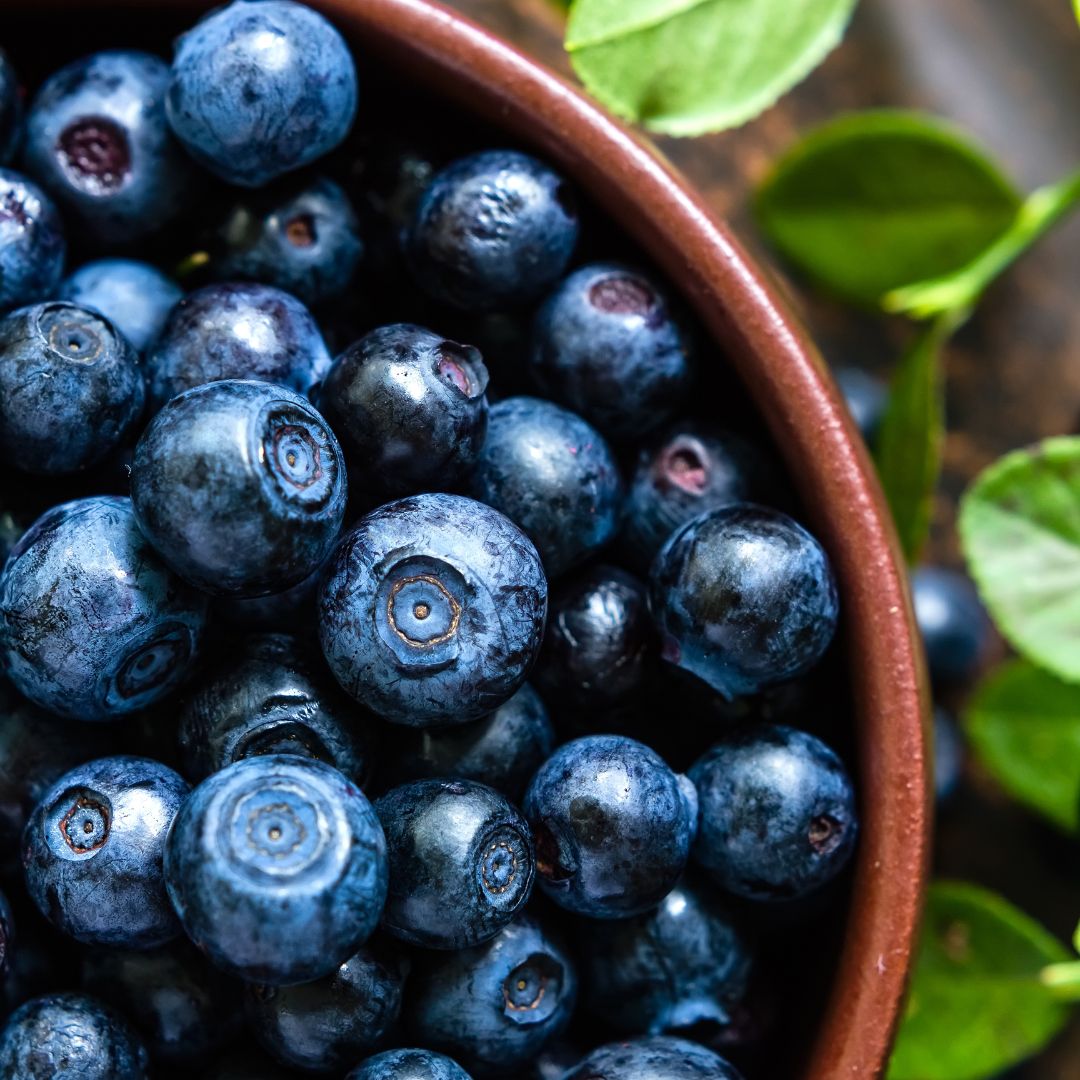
<point>1009,72</point>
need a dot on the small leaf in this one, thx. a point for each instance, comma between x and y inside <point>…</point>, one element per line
<point>880,199</point>
<point>976,1004</point>
<point>1019,526</point>
<point>684,67</point>
<point>1024,726</point>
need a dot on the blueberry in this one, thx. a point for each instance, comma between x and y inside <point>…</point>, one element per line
<point>948,756</point>
<point>273,695</point>
<point>240,486</point>
<point>32,245</point>
<point>461,862</point>
<point>553,474</point>
<point>493,229</point>
<point>92,623</point>
<point>659,1058</point>
<point>326,1025</point>
<point>97,139</point>
<point>11,111</point>
<point>92,851</point>
<point>606,345</point>
<point>277,868</point>
<point>432,610</point>
<point>236,331</point>
<point>777,813</point>
<point>134,296</point>
<point>408,1065</point>
<point>953,624</point>
<point>71,388</point>
<point>259,88</point>
<point>62,1036</point>
<point>866,397</point>
<point>612,825</point>
<point>409,408</point>
<point>495,1006</point>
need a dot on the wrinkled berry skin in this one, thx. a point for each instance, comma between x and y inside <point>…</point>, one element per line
<point>11,111</point>
<point>92,852</point>
<point>259,88</point>
<point>492,230</point>
<point>606,345</point>
<point>409,408</point>
<point>236,330</point>
<point>612,825</point>
<point>432,610</point>
<point>408,1065</point>
<point>552,473</point>
<point>327,1025</point>
<point>97,139</point>
<point>494,1007</point>
<point>32,244</point>
<point>953,624</point>
<point>743,598</point>
<point>461,862</point>
<point>92,624</point>
<point>71,388</point>
<point>134,296</point>
<point>777,813</point>
<point>273,695</point>
<point>866,397</point>
<point>277,869</point>
<point>659,1058</point>
<point>277,498</point>
<point>61,1036</point>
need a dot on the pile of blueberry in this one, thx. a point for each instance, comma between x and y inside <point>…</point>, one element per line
<point>276,796</point>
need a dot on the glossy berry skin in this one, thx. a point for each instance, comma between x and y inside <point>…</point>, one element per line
<point>778,815</point>
<point>953,624</point>
<point>495,1006</point>
<point>432,610</point>
<point>552,473</point>
<point>236,330</point>
<point>92,624</point>
<point>461,862</point>
<point>866,397</point>
<point>71,388</point>
<point>11,110</point>
<point>70,1037</point>
<point>659,1058</point>
<point>273,695</point>
<point>409,408</point>
<point>743,598</point>
<point>97,139</point>
<point>492,230</point>
<point>408,1065</point>
<point>277,869</point>
<point>612,825</point>
<point>134,296</point>
<point>259,88</point>
<point>327,1025</point>
<point>606,345</point>
<point>275,505</point>
<point>32,244</point>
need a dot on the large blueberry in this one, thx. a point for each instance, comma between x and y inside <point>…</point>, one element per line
<point>261,87</point>
<point>493,229</point>
<point>409,408</point>
<point>71,388</point>
<point>432,610</point>
<point>659,1058</point>
<point>277,868</point>
<point>92,623</point>
<point>552,473</point>
<point>777,813</point>
<point>32,245</point>
<point>240,486</point>
<point>495,1006</point>
<point>11,110</point>
<point>952,621</point>
<point>236,331</point>
<point>408,1065</point>
<point>97,139</point>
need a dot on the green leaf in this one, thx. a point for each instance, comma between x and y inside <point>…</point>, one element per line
<point>1019,526</point>
<point>684,67</point>
<point>879,199</point>
<point>976,1004</point>
<point>1024,726</point>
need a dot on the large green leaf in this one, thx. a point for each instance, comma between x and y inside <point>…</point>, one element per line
<point>976,1004</point>
<point>880,199</point>
<point>684,67</point>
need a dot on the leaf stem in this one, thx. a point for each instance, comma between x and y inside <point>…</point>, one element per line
<point>1063,980</point>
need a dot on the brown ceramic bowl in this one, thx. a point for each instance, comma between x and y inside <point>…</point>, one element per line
<point>436,49</point>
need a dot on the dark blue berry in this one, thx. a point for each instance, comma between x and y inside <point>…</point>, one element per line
<point>408,1065</point>
<point>659,1058</point>
<point>32,245</point>
<point>866,397</point>
<point>949,756</point>
<point>11,111</point>
<point>952,621</point>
